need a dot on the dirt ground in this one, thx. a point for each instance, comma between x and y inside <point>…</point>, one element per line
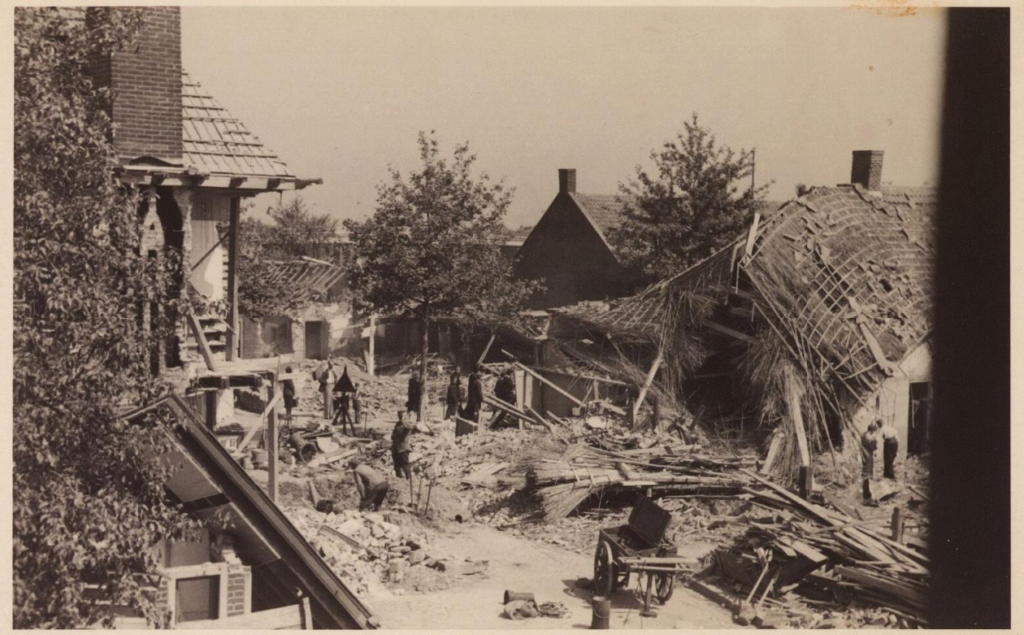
<point>547,571</point>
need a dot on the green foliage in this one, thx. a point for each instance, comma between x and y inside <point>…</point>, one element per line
<point>87,502</point>
<point>689,207</point>
<point>431,247</point>
<point>295,232</point>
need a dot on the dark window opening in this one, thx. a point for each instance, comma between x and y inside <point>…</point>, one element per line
<point>197,599</point>
<point>919,418</point>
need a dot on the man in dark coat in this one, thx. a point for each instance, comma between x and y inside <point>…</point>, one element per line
<point>453,398</point>
<point>400,447</point>
<point>415,394</point>
<point>504,389</point>
<point>288,388</point>
<point>475,399</point>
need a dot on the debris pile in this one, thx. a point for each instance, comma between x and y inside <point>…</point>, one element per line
<point>367,549</point>
<point>825,557</point>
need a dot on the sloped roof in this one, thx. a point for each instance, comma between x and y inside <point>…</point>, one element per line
<point>846,270</point>
<point>604,210</point>
<point>843,266</point>
<point>308,278</point>
<point>214,141</point>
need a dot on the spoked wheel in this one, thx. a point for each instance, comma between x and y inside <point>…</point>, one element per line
<point>604,570</point>
<point>665,585</point>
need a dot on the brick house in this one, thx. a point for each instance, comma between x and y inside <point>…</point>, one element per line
<point>569,249</point>
<point>194,163</point>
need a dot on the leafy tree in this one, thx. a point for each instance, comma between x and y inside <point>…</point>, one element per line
<point>88,503</point>
<point>295,231</point>
<point>431,247</point>
<point>689,207</point>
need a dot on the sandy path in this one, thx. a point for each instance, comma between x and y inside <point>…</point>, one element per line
<point>546,571</point>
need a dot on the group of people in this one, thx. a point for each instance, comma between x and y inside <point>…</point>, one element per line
<point>869,447</point>
<point>455,396</point>
<point>373,486</point>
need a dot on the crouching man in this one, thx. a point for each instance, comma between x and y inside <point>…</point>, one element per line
<point>372,487</point>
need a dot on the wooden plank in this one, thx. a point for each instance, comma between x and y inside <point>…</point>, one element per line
<point>647,384</point>
<point>233,338</point>
<point>851,512</point>
<point>749,248</point>
<point>204,346</point>
<point>272,443</point>
<point>256,428</point>
<point>888,587</point>
<point>487,349</point>
<point>332,457</point>
<point>796,417</point>
<point>548,382</point>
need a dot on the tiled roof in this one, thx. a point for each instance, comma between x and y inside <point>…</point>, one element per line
<point>604,210</point>
<point>215,142</point>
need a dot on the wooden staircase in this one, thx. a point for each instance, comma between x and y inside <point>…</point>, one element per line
<point>214,330</point>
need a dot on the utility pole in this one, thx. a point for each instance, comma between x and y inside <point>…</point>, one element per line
<point>753,168</point>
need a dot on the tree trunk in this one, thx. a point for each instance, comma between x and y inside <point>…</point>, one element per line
<point>424,346</point>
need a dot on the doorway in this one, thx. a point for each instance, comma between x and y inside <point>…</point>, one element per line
<point>316,339</point>
<point>919,418</point>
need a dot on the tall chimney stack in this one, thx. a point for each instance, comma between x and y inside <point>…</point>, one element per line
<point>146,82</point>
<point>567,181</point>
<point>867,168</point>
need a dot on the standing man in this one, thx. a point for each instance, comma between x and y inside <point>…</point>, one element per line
<point>357,407</point>
<point>475,399</point>
<point>327,380</point>
<point>288,388</point>
<point>890,448</point>
<point>400,447</point>
<point>869,444</point>
<point>453,398</point>
<point>505,390</point>
<point>372,486</point>
<point>415,394</point>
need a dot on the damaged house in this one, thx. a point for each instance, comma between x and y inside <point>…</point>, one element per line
<point>194,162</point>
<point>816,321</point>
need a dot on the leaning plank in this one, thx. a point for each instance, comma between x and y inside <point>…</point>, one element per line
<point>256,428</point>
<point>548,382</point>
<point>647,384</point>
<point>204,346</point>
<point>889,587</point>
<point>333,457</point>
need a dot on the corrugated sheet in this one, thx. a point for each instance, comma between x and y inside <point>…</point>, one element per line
<point>213,141</point>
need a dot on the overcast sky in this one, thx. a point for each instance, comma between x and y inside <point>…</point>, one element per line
<point>341,93</point>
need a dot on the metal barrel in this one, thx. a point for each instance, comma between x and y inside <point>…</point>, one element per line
<point>511,596</point>
<point>602,613</point>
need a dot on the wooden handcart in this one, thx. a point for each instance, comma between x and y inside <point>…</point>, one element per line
<point>638,547</point>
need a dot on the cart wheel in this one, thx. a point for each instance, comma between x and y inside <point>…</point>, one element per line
<point>604,570</point>
<point>664,586</point>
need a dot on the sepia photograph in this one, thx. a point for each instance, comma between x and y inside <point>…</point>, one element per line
<point>509,317</point>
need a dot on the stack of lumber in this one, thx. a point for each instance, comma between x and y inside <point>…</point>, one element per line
<point>855,559</point>
<point>562,485</point>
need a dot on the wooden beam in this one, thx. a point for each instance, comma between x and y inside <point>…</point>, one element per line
<point>204,346</point>
<point>725,330</point>
<point>796,417</point>
<point>749,248</point>
<point>548,382</point>
<point>272,443</point>
<point>233,338</point>
<point>256,428</point>
<point>487,349</point>
<point>647,385</point>
<point>371,362</point>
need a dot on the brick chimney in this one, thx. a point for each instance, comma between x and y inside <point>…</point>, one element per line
<point>567,181</point>
<point>867,168</point>
<point>146,82</point>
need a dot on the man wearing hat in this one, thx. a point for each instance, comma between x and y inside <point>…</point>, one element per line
<point>372,486</point>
